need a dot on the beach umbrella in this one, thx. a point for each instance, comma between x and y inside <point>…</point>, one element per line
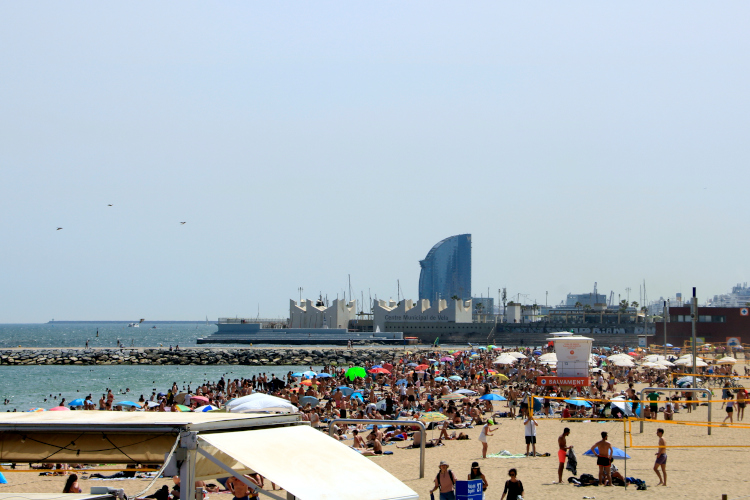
<point>297,374</point>
<point>482,348</point>
<point>183,408</point>
<point>346,391</point>
<point>402,382</point>
<point>200,399</point>
<point>354,372</point>
<point>259,402</point>
<point>309,400</point>
<point>421,367</point>
<point>376,366</point>
<point>432,416</point>
<point>517,355</point>
<point>309,374</point>
<point>452,397</point>
<point>432,360</point>
<point>653,358</point>
<point>357,395</point>
<point>152,404</point>
<point>670,345</point>
<point>467,392</point>
<point>160,395</point>
<point>649,364</point>
<point>34,410</point>
<point>537,353</point>
<point>379,370</point>
<point>551,356</point>
<point>306,382</point>
<point>505,360</point>
<point>623,405</point>
<point>446,359</point>
<point>578,402</point>
<point>664,362</point>
<point>688,380</point>
<point>455,377</point>
<point>493,397</point>
<point>622,362</point>
<point>324,375</point>
<point>440,379</point>
<point>501,376</point>
<point>205,408</point>
<point>59,408</point>
<point>388,366</point>
<point>491,346</point>
<point>412,365</point>
<point>726,360</point>
<point>474,356</point>
<point>76,402</point>
<point>617,453</point>
<point>128,403</point>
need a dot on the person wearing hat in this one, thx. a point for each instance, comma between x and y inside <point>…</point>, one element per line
<point>476,473</point>
<point>445,483</point>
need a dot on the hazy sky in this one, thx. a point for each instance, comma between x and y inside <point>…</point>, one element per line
<point>302,142</point>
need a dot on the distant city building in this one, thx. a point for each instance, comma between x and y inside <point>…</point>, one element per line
<point>446,270</point>
<point>483,305</point>
<point>317,315</point>
<point>586,299</point>
<point>740,297</point>
<point>407,311</point>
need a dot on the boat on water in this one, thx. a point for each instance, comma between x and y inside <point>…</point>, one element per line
<point>248,331</point>
<point>137,325</point>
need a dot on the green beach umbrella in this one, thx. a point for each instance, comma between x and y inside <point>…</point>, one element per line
<point>354,372</point>
<point>183,408</point>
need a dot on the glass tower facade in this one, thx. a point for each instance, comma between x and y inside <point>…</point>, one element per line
<point>446,271</point>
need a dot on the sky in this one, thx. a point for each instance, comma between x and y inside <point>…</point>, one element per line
<point>306,144</point>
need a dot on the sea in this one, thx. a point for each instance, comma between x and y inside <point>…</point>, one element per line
<point>26,387</point>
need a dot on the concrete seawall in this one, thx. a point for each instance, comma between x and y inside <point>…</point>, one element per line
<point>201,356</point>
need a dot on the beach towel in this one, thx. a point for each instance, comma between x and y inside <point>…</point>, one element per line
<point>506,454</point>
<point>572,462</point>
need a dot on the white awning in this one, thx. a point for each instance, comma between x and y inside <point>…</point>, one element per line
<point>53,496</point>
<point>305,462</point>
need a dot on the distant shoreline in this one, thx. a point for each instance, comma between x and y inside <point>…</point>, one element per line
<point>109,322</point>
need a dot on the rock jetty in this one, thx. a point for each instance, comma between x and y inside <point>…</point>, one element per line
<point>201,356</point>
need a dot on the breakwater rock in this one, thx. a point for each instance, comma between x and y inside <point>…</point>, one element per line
<point>201,356</point>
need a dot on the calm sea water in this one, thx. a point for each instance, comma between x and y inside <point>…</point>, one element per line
<point>28,386</point>
<point>76,334</point>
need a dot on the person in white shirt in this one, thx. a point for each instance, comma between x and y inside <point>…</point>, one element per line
<point>530,431</point>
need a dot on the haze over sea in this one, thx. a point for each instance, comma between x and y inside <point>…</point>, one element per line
<point>27,386</point>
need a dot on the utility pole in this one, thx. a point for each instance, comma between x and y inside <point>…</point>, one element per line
<point>694,315</point>
<point>666,315</point>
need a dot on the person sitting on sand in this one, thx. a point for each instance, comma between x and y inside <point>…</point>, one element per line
<point>71,485</point>
<point>240,490</point>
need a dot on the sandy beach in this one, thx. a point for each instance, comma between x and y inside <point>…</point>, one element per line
<point>704,473</point>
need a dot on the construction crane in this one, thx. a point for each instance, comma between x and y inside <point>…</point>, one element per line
<point>610,303</point>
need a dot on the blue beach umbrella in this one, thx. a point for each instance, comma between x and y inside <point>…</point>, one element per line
<point>482,348</point>
<point>440,379</point>
<point>298,374</point>
<point>76,402</point>
<point>402,382</point>
<point>537,352</point>
<point>578,402</point>
<point>309,374</point>
<point>358,396</point>
<point>377,366</point>
<point>324,375</point>
<point>455,377</point>
<point>346,391</point>
<point>493,397</point>
<point>617,453</point>
<point>203,409</point>
<point>127,403</point>
<point>309,399</point>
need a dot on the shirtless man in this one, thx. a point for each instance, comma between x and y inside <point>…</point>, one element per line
<point>603,460</point>
<point>562,453</point>
<point>240,490</point>
<point>661,459</point>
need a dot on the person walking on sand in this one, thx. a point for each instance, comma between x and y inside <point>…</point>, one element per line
<point>486,431</point>
<point>513,487</point>
<point>741,397</point>
<point>603,452</point>
<point>661,459</point>
<point>530,431</point>
<point>476,473</point>
<point>445,483</point>
<point>730,407</point>
<point>562,453</point>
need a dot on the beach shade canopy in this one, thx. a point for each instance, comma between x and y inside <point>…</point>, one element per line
<point>688,380</point>
<point>324,375</point>
<point>617,453</point>
<point>653,358</point>
<point>76,402</point>
<point>726,360</point>
<point>183,408</point>
<point>455,378</point>
<point>59,408</point>
<point>446,359</point>
<point>354,372</point>
<point>152,404</point>
<point>379,370</point>
<point>306,382</point>
<point>549,357</point>
<point>259,402</point>
<point>412,365</point>
<point>501,376</point>
<point>440,379</point>
<point>309,374</point>
<point>200,399</point>
<point>493,397</point>
<point>664,362</point>
<point>517,355</point>
<point>34,410</point>
<point>206,408</point>
<point>357,395</point>
<point>388,366</point>
<point>578,402</point>
<point>505,359</point>
<point>623,363</point>
<point>346,391</point>
<point>421,367</point>
<point>537,353</point>
<point>402,382</point>
<point>452,397</point>
<point>432,416</point>
<point>128,403</point>
<point>465,392</point>
<point>624,407</point>
<point>309,400</point>
<point>297,374</point>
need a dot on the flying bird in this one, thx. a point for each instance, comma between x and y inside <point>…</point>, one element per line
<point>180,223</point>
<point>59,228</point>
<point>109,205</point>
